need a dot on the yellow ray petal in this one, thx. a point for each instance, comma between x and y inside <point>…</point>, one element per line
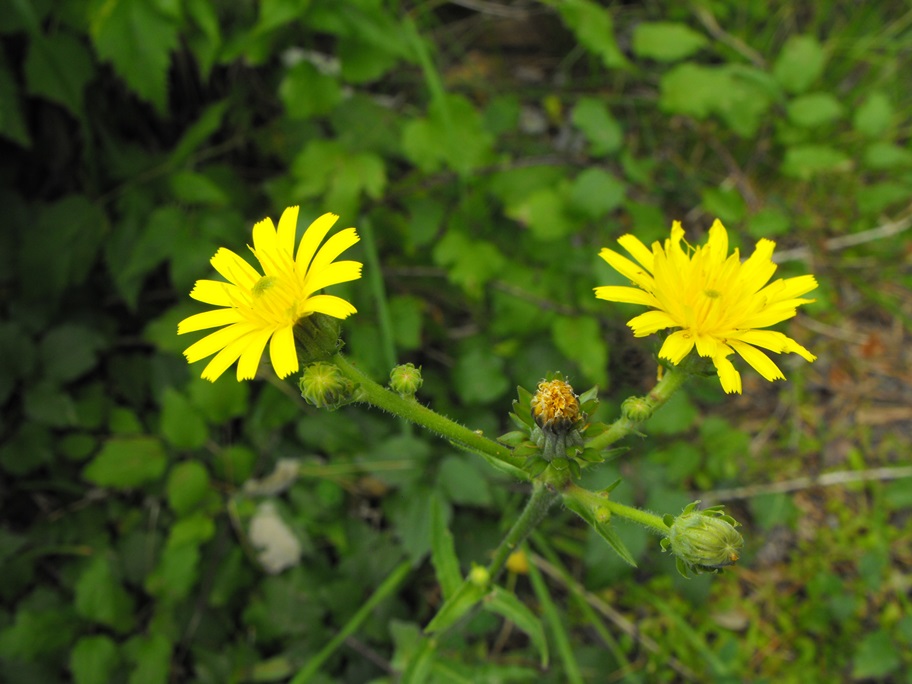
<point>329,305</point>
<point>627,268</point>
<point>650,322</point>
<point>759,361</point>
<point>282,352</point>
<point>627,295</point>
<point>216,292</point>
<point>718,242</point>
<point>234,269</point>
<point>208,319</point>
<point>288,225</point>
<point>223,360</point>
<point>677,346</point>
<point>264,236</point>
<point>637,250</point>
<point>253,352</point>
<point>333,247</point>
<point>313,236</point>
<point>216,341</point>
<point>728,375</point>
<point>333,274</point>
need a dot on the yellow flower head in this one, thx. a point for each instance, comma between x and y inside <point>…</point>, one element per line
<point>256,309</point>
<point>717,302</point>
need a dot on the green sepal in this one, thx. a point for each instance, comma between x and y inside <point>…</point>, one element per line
<point>575,469</point>
<point>519,421</point>
<point>595,429</point>
<point>590,394</point>
<point>526,449</point>
<point>611,454</point>
<point>535,466</point>
<point>610,488</point>
<point>590,456</point>
<point>560,463</point>
<point>514,438</point>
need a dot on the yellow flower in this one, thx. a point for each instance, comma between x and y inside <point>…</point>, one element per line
<point>257,309</point>
<point>717,302</point>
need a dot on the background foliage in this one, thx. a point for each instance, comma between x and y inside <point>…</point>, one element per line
<point>486,152</point>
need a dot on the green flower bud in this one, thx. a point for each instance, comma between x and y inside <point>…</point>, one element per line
<point>406,379</point>
<point>703,541</point>
<point>479,576</point>
<point>317,338</point>
<point>323,385</point>
<point>636,409</point>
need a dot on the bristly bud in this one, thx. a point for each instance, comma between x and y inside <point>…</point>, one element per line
<point>558,417</point>
<point>405,379</point>
<point>555,407</point>
<point>479,576</point>
<point>703,541</point>
<point>636,409</point>
<point>317,338</point>
<point>323,385</point>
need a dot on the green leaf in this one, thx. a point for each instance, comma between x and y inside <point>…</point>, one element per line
<point>882,155</point>
<point>198,133</point>
<point>479,376</point>
<point>137,37</point>
<point>545,212</point>
<point>152,657</point>
<point>419,665</point>
<point>38,632</point>
<point>234,464</point>
<point>768,222</point>
<point>188,485</point>
<point>452,135</point>
<point>17,357</point>
<point>666,41</point>
<point>875,656</point>
<point>462,482</point>
<point>508,606</point>
<point>191,187</point>
<point>692,89</point>
<point>206,43</point>
<point>101,598</point>
<point>219,402</point>
<point>306,92</point>
<point>605,530</point>
<point>593,27</point>
<point>326,169</point>
<point>75,227</point>
<point>814,109</point>
<point>181,423</point>
<point>12,121</point>
<point>596,192</point>
<point>461,602</point>
<point>27,450</point>
<point>725,204</point>
<point>58,69</point>
<point>93,659</point>
<point>800,63</point>
<point>602,130</point>
<point>443,551</point>
<point>69,351</point>
<point>806,161</point>
<point>874,199</point>
<point>46,403</point>
<point>874,116</point>
<point>127,462</point>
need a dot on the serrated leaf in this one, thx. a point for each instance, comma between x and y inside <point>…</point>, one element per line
<point>69,351</point>
<point>101,598</point>
<point>127,462</point>
<point>601,129</point>
<point>152,657</point>
<point>181,423</point>
<point>453,134</point>
<point>800,63</point>
<point>59,69</point>
<point>806,161</point>
<point>306,92</point>
<point>508,606</point>
<point>188,485</point>
<point>443,551</point>
<point>666,41</point>
<point>137,38</point>
<point>93,659</point>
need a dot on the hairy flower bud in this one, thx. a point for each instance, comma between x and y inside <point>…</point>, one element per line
<point>323,385</point>
<point>406,379</point>
<point>703,541</point>
<point>636,409</point>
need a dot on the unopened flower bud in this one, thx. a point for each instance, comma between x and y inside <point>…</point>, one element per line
<point>479,576</point>
<point>703,541</point>
<point>323,385</point>
<point>406,379</point>
<point>518,562</point>
<point>636,409</point>
<point>317,337</point>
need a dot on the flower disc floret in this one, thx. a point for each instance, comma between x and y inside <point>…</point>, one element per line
<point>716,303</point>
<point>256,308</point>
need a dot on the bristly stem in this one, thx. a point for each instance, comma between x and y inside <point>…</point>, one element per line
<point>670,383</point>
<point>408,408</point>
<point>541,500</point>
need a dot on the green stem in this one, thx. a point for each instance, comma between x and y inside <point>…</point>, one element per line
<point>372,393</point>
<point>670,383</point>
<point>594,502</point>
<point>536,508</point>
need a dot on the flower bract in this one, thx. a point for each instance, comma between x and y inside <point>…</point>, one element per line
<point>258,308</point>
<point>715,303</point>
